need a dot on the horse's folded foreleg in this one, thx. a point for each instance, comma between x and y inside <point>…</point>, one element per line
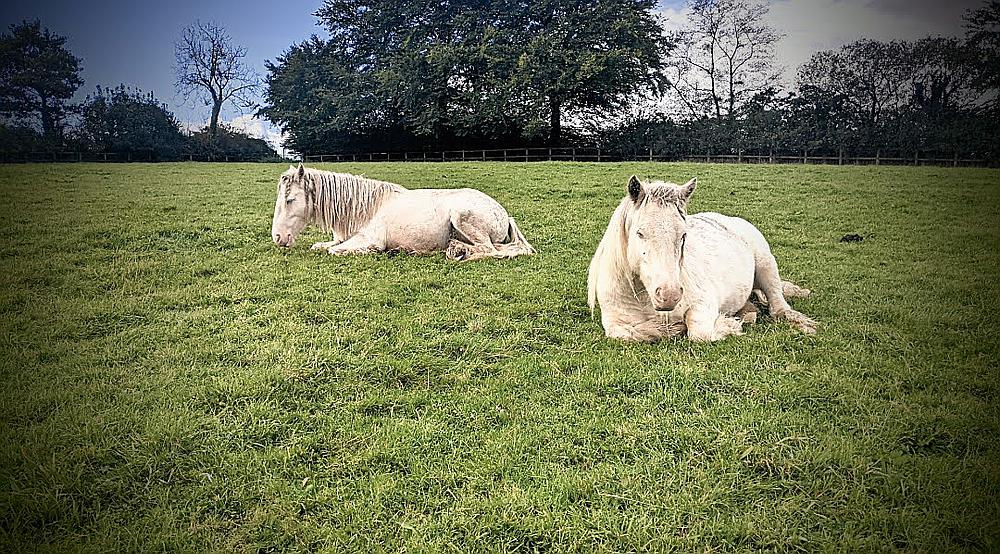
<point>358,244</point>
<point>706,324</point>
<point>325,245</point>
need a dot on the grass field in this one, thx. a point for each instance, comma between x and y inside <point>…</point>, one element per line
<point>173,381</point>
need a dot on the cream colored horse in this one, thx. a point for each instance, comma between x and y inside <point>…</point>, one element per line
<point>366,216</point>
<point>659,272</point>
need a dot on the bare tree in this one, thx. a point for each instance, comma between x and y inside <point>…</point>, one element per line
<point>724,55</point>
<point>210,67</point>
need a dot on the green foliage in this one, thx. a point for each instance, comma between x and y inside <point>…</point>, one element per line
<point>21,138</point>
<point>898,98</point>
<point>326,103</point>
<point>412,74</point>
<point>125,120</point>
<point>228,143</point>
<point>983,33</point>
<point>38,75</point>
<point>174,382</point>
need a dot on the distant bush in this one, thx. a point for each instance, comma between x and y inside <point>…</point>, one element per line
<point>228,143</point>
<point>128,121</point>
<point>20,138</point>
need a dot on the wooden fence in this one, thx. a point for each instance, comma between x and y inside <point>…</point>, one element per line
<point>113,157</point>
<point>570,154</point>
<point>599,155</point>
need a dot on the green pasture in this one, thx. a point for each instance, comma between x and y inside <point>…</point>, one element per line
<point>171,381</point>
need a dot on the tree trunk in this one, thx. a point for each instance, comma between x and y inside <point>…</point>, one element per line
<point>48,122</point>
<point>555,124</point>
<point>213,125</point>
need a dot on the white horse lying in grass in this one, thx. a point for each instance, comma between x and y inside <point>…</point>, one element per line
<point>659,272</point>
<point>366,216</point>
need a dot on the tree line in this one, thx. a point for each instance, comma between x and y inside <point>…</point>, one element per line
<point>405,75</point>
<point>40,76</point>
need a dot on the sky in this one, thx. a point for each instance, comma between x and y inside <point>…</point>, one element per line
<point>131,42</point>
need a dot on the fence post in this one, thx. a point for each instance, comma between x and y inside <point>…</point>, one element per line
<point>598,154</point>
<point>840,156</point>
<point>916,158</point>
<point>484,154</point>
<point>650,153</point>
<point>954,161</point>
<point>573,153</point>
<point>805,156</point>
<point>770,156</point>
<point>525,154</point>
<point>878,156</point>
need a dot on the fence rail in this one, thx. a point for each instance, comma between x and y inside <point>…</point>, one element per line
<point>599,155</point>
<point>488,155</point>
<point>114,157</point>
<point>574,154</point>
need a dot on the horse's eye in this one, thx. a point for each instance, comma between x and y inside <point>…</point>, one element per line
<point>289,200</point>
<point>640,235</point>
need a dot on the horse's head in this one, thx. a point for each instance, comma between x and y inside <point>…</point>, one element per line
<point>655,229</point>
<point>291,208</point>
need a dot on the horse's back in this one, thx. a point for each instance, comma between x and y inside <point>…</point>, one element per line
<point>741,228</point>
<point>423,218</point>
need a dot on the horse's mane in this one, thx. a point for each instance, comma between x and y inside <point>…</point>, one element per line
<point>341,202</point>
<point>610,262</point>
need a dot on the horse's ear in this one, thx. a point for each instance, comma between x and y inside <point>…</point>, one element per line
<point>302,170</point>
<point>634,188</point>
<point>688,189</point>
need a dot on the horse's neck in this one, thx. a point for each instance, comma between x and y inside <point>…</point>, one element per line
<point>352,202</point>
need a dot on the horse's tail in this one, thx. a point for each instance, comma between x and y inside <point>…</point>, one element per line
<point>516,244</point>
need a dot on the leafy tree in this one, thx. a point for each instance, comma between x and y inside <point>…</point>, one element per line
<point>871,78</point>
<point>816,121</point>
<point>464,72</point>
<point>983,34</point>
<point>327,102</point>
<point>581,56</point>
<point>38,76</point>
<point>210,67</point>
<point>20,138</point>
<point>126,120</point>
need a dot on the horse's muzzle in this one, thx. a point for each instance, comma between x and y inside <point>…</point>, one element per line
<point>666,298</point>
<point>284,241</point>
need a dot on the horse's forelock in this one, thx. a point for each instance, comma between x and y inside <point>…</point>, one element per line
<point>667,193</point>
